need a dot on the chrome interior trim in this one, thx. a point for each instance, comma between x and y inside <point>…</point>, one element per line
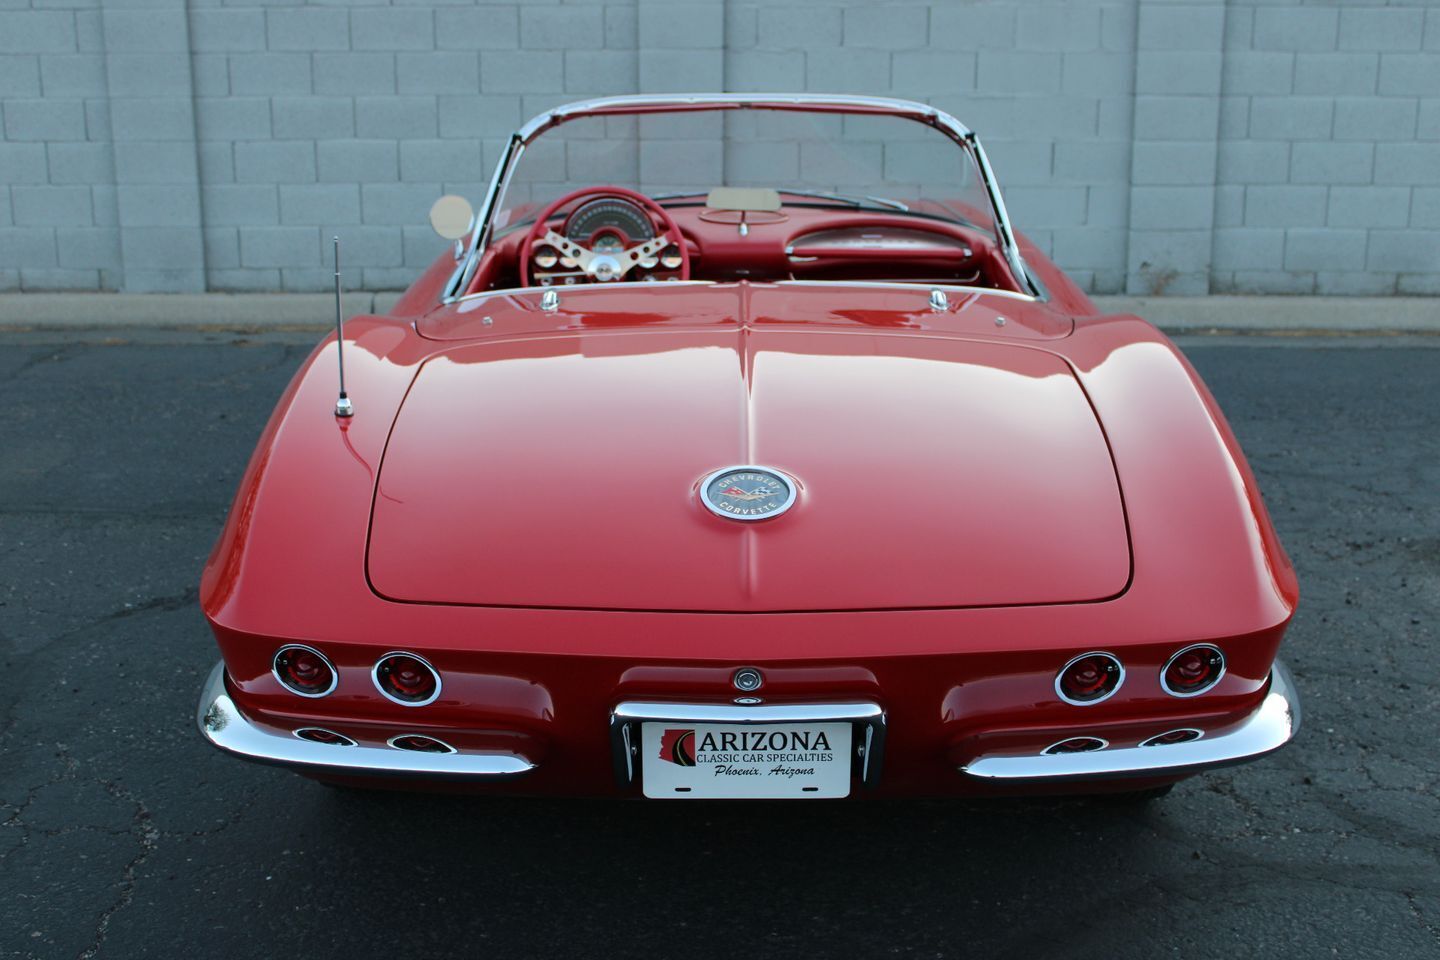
<point>902,285</point>
<point>223,725</point>
<point>870,742</point>
<point>586,287</point>
<point>1273,724</point>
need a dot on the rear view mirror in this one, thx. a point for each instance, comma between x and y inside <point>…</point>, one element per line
<point>451,217</point>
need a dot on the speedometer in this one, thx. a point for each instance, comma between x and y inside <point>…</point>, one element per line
<point>610,217</point>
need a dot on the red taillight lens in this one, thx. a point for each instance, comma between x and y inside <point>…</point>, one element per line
<point>1193,670</point>
<point>407,679</point>
<point>304,671</point>
<point>1089,678</point>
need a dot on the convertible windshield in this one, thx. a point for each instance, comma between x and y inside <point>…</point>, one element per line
<point>860,160</point>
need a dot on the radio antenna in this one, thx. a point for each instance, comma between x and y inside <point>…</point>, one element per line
<point>343,406</point>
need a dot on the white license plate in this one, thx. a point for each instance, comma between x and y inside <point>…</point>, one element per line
<point>745,761</point>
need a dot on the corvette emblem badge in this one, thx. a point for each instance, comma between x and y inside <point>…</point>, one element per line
<point>747,493</point>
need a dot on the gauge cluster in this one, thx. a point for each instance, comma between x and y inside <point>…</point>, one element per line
<point>610,227</point>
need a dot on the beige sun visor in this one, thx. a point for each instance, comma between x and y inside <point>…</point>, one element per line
<point>743,198</point>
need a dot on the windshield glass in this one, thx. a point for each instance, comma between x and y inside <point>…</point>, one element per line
<point>811,157</point>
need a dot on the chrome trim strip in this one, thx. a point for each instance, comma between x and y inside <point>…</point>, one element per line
<point>586,287</point>
<point>1273,724</point>
<point>1006,233</point>
<point>375,679</point>
<point>901,285</point>
<point>624,743</point>
<point>275,672</point>
<point>1205,689</point>
<point>1060,691</point>
<point>223,725</point>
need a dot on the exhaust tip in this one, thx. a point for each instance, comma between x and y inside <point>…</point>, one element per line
<point>1076,745</point>
<point>419,743</point>
<point>1183,735</point>
<point>321,735</point>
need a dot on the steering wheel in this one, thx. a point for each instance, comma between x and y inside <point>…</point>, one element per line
<point>605,267</point>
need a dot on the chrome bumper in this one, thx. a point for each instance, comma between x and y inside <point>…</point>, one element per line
<point>224,726</point>
<point>1273,724</point>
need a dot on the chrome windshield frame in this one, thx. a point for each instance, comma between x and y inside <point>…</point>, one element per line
<point>962,135</point>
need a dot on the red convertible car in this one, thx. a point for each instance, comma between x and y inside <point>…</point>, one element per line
<point>741,449</point>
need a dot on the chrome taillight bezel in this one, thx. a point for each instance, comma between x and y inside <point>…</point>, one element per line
<point>1119,679</point>
<point>280,679</point>
<point>435,674</point>
<point>1219,675</point>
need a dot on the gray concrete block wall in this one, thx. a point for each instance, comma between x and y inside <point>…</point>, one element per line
<point>1150,146</point>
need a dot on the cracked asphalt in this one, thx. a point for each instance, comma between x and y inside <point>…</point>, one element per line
<point>122,835</point>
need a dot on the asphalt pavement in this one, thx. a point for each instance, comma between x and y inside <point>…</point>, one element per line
<point>122,835</point>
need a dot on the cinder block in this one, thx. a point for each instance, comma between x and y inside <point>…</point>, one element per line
<point>358,161</point>
<point>227,30</point>
<point>89,31</point>
<point>88,247</point>
<point>973,26</point>
<point>210,74</point>
<point>1019,162</point>
<point>516,71</point>
<point>1057,27</point>
<point>38,31</point>
<point>1103,73</point>
<point>395,118</point>
<point>166,161</point>
<point>1172,208</point>
<point>1284,206</point>
<point>791,28</point>
<point>1016,73</point>
<point>1353,283</point>
<point>622,28</point>
<point>679,70</point>
<point>1428,127</point>
<point>1047,207</point>
<point>313,118</point>
<point>578,28</point>
<point>152,118</point>
<point>762,162</point>
<point>20,75</point>
<point>1321,249</point>
<point>354,74</point>
<point>232,118</point>
<point>1296,28</point>
<point>1405,251</point>
<point>1176,118</point>
<point>364,246</point>
<point>1258,71</point>
<point>170,252</point>
<point>1331,163</point>
<point>1339,73</point>
<point>279,246</point>
<point>420,245</point>
<point>275,161</point>
<point>318,203</point>
<point>1181,26</point>
<point>1229,205</point>
<point>70,75</point>
<point>242,281</point>
<point>381,28</point>
<point>397,203</point>
<point>1090,249</point>
<point>1291,118</point>
<point>438,72</point>
<point>216,160</point>
<point>270,73</point>
<point>241,205</point>
<point>678,162</point>
<point>84,163</point>
<point>758,71</point>
<point>1249,249</point>
<point>1409,74</point>
<point>37,206</point>
<point>1374,118</point>
<point>103,202</point>
<point>888,25</point>
<point>388,278</point>
<point>222,248</point>
<point>44,120</point>
<point>147,74</point>
<point>23,162</point>
<point>1380,29</point>
<point>35,280</point>
<point>150,205</point>
<point>309,29</point>
<point>1425,208</point>
<point>146,30</point>
<point>22,247</point>
<point>681,26</point>
<point>1370,207</point>
<point>1407,163</point>
<point>1234,118</point>
<point>475,117</point>
<point>600,71</point>
<point>1174,163</point>
<point>97,120</point>
<point>480,28</point>
<point>925,73</point>
<point>1254,161</point>
<point>1178,72</point>
<point>439,160</point>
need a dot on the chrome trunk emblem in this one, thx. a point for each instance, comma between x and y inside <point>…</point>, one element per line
<point>747,493</point>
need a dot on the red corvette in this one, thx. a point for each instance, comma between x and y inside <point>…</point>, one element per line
<point>741,449</point>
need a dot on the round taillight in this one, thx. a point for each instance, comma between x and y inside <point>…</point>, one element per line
<point>321,735</point>
<point>406,679</point>
<point>304,670</point>
<point>1089,678</point>
<point>1193,670</point>
<point>1076,745</point>
<point>420,744</point>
